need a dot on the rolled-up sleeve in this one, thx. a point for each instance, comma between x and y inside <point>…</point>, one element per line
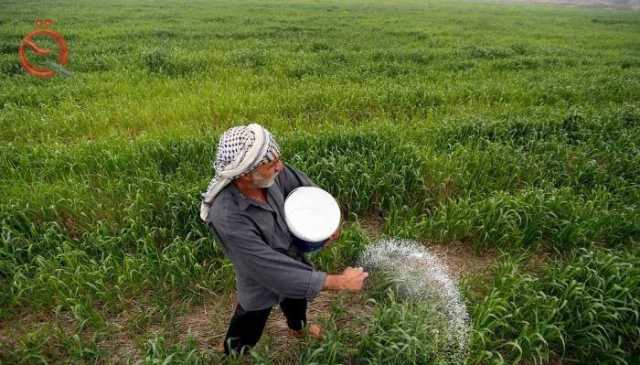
<point>254,258</point>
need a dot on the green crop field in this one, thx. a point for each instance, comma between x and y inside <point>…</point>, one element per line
<point>508,131</point>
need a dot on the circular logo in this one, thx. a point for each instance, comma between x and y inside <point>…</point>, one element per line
<point>42,29</point>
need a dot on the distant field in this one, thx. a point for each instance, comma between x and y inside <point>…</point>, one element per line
<point>616,4</point>
<point>503,134</point>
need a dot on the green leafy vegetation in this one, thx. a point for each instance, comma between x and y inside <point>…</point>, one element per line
<point>507,128</point>
<point>585,309</point>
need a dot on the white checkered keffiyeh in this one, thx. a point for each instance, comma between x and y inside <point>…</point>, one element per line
<point>240,151</point>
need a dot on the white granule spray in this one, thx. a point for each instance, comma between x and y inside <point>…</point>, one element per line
<point>417,274</point>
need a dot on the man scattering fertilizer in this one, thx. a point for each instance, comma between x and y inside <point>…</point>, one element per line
<point>244,208</point>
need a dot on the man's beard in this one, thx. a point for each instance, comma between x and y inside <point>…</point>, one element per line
<point>261,182</point>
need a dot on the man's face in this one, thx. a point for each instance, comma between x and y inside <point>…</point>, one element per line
<point>265,175</point>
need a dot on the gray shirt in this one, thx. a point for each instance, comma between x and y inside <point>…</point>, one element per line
<point>255,237</point>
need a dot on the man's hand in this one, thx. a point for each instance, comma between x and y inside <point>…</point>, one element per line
<point>354,278</point>
<point>334,237</point>
<point>351,279</point>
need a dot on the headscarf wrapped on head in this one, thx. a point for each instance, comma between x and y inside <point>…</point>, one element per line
<point>240,151</point>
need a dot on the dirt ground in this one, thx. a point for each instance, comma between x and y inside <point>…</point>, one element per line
<point>207,323</point>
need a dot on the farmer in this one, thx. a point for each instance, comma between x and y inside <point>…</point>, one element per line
<point>244,208</point>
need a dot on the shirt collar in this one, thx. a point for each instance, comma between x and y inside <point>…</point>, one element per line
<point>242,201</point>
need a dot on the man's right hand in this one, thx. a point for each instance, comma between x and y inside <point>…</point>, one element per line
<point>350,279</point>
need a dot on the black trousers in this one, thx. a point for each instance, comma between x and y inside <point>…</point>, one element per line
<point>246,327</point>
